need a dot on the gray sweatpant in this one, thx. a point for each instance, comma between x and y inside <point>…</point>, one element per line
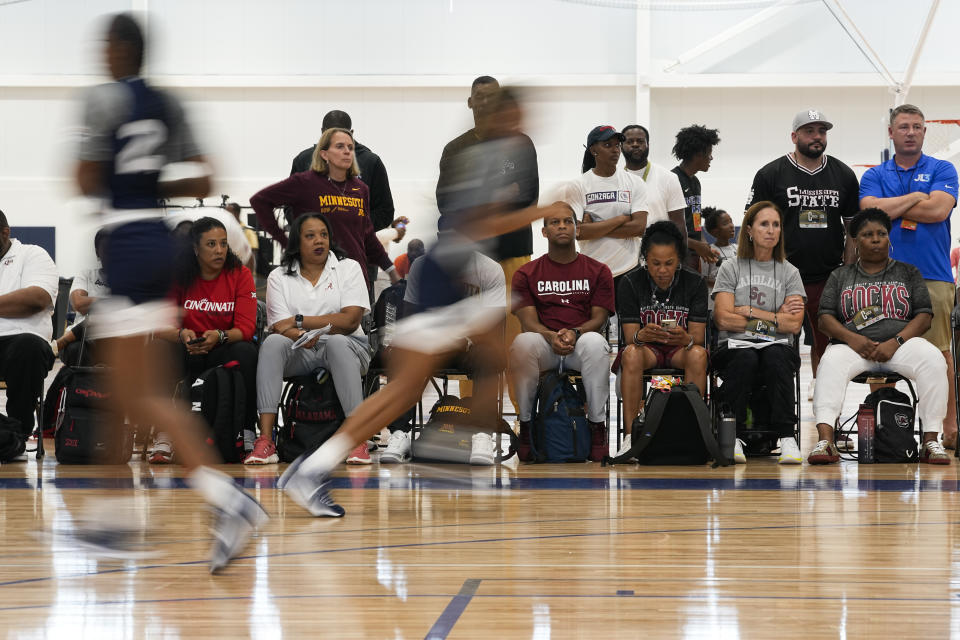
<point>530,354</point>
<point>345,357</point>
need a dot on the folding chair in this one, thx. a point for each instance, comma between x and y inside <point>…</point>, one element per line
<point>848,428</point>
<point>754,436</point>
<point>59,320</point>
<point>648,375</point>
<point>955,350</point>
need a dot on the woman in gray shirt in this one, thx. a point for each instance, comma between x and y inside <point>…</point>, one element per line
<point>875,312</point>
<point>758,307</point>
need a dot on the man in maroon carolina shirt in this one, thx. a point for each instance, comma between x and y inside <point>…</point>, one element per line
<point>563,300</point>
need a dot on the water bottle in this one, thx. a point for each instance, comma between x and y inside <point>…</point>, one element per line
<point>866,426</point>
<point>727,432</point>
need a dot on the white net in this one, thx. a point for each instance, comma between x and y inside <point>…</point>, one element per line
<point>689,5</point>
<point>942,139</point>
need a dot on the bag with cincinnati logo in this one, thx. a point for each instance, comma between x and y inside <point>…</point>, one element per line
<point>448,434</point>
<point>311,414</point>
<point>87,430</point>
<point>893,440</point>
<point>218,396</point>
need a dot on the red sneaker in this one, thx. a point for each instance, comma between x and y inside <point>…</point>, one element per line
<point>599,447</point>
<point>162,453</point>
<point>264,452</point>
<point>360,455</point>
<point>932,452</point>
<point>523,449</point>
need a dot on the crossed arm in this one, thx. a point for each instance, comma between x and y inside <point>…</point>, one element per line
<point>917,206</point>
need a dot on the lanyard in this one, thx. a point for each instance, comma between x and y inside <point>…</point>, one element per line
<point>913,170</point>
<point>646,172</point>
<point>657,303</point>
<point>853,285</point>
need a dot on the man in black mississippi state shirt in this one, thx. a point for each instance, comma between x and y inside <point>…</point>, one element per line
<point>818,195</point>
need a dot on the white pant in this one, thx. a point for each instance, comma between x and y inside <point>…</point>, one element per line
<point>916,359</point>
<point>530,354</point>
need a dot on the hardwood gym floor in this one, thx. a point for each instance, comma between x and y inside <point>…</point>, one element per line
<point>550,551</point>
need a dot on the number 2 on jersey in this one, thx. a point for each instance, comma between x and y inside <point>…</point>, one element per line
<point>143,138</point>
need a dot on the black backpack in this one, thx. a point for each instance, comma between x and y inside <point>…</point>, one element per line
<point>311,414</point>
<point>560,432</point>
<point>51,401</point>
<point>12,440</point>
<point>218,395</point>
<point>676,430</point>
<point>386,312</point>
<point>87,430</point>
<point>448,434</point>
<point>893,439</point>
<point>264,255</point>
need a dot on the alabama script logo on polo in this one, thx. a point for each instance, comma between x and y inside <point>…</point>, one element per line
<point>597,197</point>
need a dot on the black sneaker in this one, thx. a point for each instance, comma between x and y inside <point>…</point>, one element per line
<point>311,493</point>
<point>232,530</point>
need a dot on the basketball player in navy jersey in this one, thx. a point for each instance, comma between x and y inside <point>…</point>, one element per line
<point>131,131</point>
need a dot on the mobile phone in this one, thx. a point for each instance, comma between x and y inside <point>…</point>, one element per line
<point>196,341</point>
<point>668,323</point>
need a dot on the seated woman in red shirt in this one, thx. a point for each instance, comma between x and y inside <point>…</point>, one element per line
<point>218,302</point>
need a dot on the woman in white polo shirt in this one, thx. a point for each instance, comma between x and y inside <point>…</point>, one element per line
<point>611,203</point>
<point>312,288</point>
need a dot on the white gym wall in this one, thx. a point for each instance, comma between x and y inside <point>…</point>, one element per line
<point>258,76</point>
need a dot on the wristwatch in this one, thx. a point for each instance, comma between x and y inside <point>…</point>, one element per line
<point>299,320</point>
<point>899,339</point>
<point>577,332</point>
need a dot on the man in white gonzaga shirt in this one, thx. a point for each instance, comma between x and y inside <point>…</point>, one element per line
<point>28,290</point>
<point>609,204</point>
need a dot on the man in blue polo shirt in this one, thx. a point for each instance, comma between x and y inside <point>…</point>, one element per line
<point>919,192</point>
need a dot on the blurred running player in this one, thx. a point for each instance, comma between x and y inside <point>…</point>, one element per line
<point>478,197</point>
<point>131,131</point>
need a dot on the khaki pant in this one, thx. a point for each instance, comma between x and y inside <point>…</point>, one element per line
<point>512,328</point>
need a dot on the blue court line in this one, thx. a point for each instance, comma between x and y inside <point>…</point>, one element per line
<point>444,624</point>
<point>511,523</point>
<point>442,543</point>
<point>491,596</point>
<point>523,484</point>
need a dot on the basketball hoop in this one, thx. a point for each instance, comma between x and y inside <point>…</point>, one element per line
<point>942,139</point>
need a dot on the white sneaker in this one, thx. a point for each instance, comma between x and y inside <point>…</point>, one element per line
<point>790,452</point>
<point>811,388</point>
<point>738,456</point>
<point>483,449</point>
<point>398,448</point>
<point>162,452</point>
<point>626,446</point>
